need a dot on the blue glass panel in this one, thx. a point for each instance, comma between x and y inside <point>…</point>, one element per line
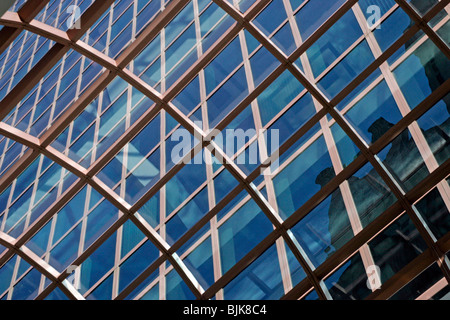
<point>200,263</point>
<point>180,47</point>
<point>347,69</point>
<point>314,14</point>
<point>404,161</point>
<point>152,294</point>
<point>210,17</point>
<point>375,113</point>
<point>259,281</point>
<point>433,209</point>
<point>303,177</point>
<point>28,287</point>
<point>136,264</point>
<point>422,73</point>
<point>396,246</point>
<point>187,216</point>
<point>349,281</point>
<point>97,264</point>
<point>103,291</point>
<point>435,125</point>
<point>66,251</point>
<point>227,97</point>
<point>222,65</point>
<point>6,272</point>
<point>271,17</point>
<point>277,96</point>
<point>99,220</point>
<point>263,63</point>
<point>333,43</point>
<point>325,229</point>
<point>241,232</point>
<point>189,98</point>
<point>131,236</point>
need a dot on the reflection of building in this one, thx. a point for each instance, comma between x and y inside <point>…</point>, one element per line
<point>398,245</point>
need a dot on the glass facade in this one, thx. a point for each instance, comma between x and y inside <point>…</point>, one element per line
<point>225,149</point>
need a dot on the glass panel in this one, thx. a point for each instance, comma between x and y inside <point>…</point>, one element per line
<point>349,281</point>
<point>259,281</point>
<point>241,232</point>
<point>325,229</point>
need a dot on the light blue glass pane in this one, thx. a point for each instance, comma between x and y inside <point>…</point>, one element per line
<point>103,291</point>
<point>189,98</point>
<point>149,54</point>
<point>47,181</point>
<point>346,70</point>
<point>271,17</point>
<point>187,216</point>
<point>200,263</point>
<point>241,232</point>
<point>180,22</point>
<point>66,251</point>
<point>6,272</point>
<point>18,209</point>
<point>285,88</point>
<point>150,210</point>
<point>284,39</point>
<point>210,17</point>
<point>152,294</point>
<point>99,220</point>
<point>112,116</point>
<point>39,243</point>
<point>56,294</point>
<point>392,28</point>
<point>325,229</point>
<point>183,184</point>
<point>180,47</point>
<point>303,177</point>
<point>263,63</point>
<point>348,151</point>
<point>367,6</point>
<point>131,236</point>
<point>176,289</point>
<point>143,177</point>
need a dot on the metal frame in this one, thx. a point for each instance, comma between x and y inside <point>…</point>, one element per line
<point>23,20</point>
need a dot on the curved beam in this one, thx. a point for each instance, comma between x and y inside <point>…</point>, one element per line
<point>39,264</point>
